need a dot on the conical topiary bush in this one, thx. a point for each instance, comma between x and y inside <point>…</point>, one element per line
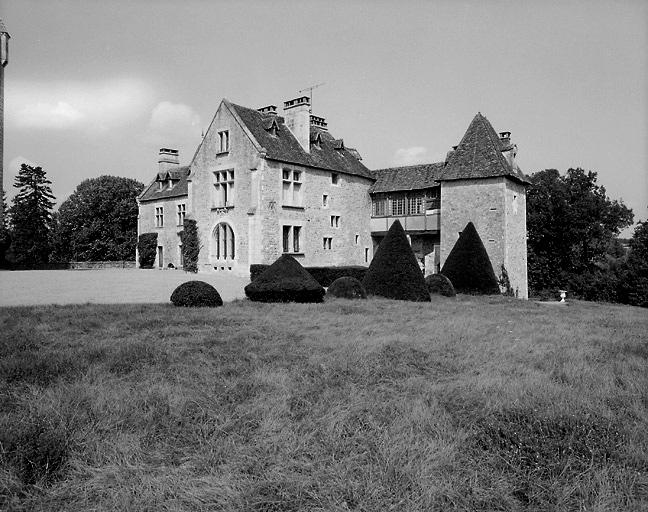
<point>468,266</point>
<point>285,281</point>
<point>394,272</point>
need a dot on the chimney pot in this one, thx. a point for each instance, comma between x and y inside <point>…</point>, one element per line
<point>505,135</point>
<point>320,122</point>
<point>269,110</point>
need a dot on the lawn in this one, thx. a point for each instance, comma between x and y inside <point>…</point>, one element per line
<point>467,404</point>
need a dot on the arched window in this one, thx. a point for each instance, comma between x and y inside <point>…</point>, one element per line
<point>224,237</point>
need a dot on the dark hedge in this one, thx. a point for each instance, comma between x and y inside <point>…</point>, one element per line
<point>190,246</point>
<point>468,266</point>
<point>285,281</point>
<point>347,288</point>
<point>394,272</point>
<point>438,284</point>
<point>146,249</point>
<point>323,275</point>
<point>196,294</point>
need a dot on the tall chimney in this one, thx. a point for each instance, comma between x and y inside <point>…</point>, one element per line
<point>169,159</point>
<point>297,119</point>
<point>509,150</point>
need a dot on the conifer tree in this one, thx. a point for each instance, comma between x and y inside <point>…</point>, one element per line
<point>30,216</point>
<point>394,272</point>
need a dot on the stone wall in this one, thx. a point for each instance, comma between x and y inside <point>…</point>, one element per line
<point>168,237</point>
<point>515,258</point>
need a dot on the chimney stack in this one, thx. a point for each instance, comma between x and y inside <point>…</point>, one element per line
<point>169,159</point>
<point>270,110</point>
<point>320,122</point>
<point>508,150</point>
<point>297,119</point>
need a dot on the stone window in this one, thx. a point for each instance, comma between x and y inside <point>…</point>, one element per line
<point>357,239</point>
<point>325,201</point>
<point>223,141</point>
<point>291,192</point>
<point>366,254</point>
<point>335,221</point>
<point>180,255</point>
<point>224,242</point>
<point>182,210</point>
<point>224,188</point>
<point>159,216</point>
<point>326,243</point>
<point>335,178</point>
<point>292,239</point>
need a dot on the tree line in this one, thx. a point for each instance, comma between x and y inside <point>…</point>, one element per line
<point>573,232</point>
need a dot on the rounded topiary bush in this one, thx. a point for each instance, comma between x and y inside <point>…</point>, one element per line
<point>394,272</point>
<point>285,281</point>
<point>438,284</point>
<point>196,294</point>
<point>347,288</point>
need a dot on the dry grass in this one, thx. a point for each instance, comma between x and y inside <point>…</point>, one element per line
<point>468,404</point>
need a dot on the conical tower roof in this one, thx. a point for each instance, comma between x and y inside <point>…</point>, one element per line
<point>479,155</point>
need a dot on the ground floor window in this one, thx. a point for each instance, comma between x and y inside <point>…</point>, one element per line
<point>291,238</point>
<point>225,242</point>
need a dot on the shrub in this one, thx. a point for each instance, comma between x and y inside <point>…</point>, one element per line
<point>196,294</point>
<point>394,272</point>
<point>468,266</point>
<point>285,281</point>
<point>438,284</point>
<point>347,288</point>
<point>190,246</point>
<point>146,248</point>
<point>34,446</point>
<point>323,275</point>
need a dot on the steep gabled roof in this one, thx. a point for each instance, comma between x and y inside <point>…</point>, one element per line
<point>153,192</point>
<point>284,147</point>
<point>479,155</point>
<point>410,177</point>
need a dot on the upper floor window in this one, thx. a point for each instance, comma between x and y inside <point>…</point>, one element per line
<point>335,178</point>
<point>224,188</point>
<point>291,193</point>
<point>182,209</point>
<point>291,238</point>
<point>415,204</point>
<point>159,216</point>
<point>325,201</point>
<point>397,204</point>
<point>335,221</point>
<point>379,205</point>
<point>223,141</point>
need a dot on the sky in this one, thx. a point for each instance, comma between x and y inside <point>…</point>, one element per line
<point>96,87</point>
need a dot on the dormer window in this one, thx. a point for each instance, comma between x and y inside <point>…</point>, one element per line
<point>170,184</point>
<point>273,128</point>
<point>160,185</point>
<point>223,141</point>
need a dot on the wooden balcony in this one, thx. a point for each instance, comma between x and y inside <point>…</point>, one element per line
<point>430,222</point>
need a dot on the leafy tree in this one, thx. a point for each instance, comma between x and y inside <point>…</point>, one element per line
<point>30,216</point>
<point>571,224</point>
<point>98,222</point>
<point>5,236</point>
<point>634,285</point>
<point>190,245</point>
<point>146,249</point>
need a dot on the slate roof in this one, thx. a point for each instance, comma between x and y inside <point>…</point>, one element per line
<point>179,177</point>
<point>479,155</point>
<point>410,177</point>
<point>284,147</point>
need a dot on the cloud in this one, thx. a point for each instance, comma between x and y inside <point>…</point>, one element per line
<point>173,125</point>
<point>68,105</point>
<point>410,156</point>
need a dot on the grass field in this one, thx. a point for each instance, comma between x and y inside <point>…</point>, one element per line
<point>468,404</point>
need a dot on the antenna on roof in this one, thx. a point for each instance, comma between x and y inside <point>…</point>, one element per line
<point>310,90</point>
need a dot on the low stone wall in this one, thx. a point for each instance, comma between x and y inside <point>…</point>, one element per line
<point>86,265</point>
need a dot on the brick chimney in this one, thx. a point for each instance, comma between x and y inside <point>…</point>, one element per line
<point>169,159</point>
<point>297,119</point>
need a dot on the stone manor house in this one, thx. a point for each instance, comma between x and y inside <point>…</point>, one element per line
<point>261,185</point>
